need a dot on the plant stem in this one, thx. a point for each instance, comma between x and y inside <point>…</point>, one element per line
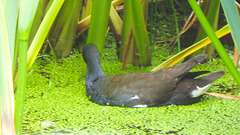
<point>176,25</point>
<point>21,85</point>
<point>99,22</point>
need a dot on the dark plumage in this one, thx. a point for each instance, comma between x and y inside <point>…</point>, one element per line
<point>173,85</point>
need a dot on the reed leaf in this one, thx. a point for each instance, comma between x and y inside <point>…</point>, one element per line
<point>99,22</point>
<point>232,15</point>
<point>6,84</point>
<point>11,10</point>
<point>116,23</point>
<point>140,32</point>
<point>27,11</point>
<point>63,31</point>
<point>43,32</point>
<point>133,17</point>
<point>193,48</point>
<point>211,10</point>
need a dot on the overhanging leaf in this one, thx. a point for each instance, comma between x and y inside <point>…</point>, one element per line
<point>43,31</point>
<point>176,58</point>
<point>6,85</point>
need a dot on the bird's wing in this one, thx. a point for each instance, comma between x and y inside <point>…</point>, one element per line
<point>137,88</point>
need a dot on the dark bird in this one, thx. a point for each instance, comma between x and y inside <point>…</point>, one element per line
<point>169,86</point>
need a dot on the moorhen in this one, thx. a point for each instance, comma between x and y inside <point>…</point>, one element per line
<point>169,86</point>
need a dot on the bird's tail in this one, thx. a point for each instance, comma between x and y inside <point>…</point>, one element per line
<point>185,67</point>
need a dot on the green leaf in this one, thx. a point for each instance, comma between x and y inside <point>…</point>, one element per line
<point>11,11</point>
<point>27,11</point>
<point>134,47</point>
<point>6,85</point>
<point>140,32</point>
<point>43,31</point>
<point>232,15</point>
<point>217,44</point>
<point>193,48</point>
<point>98,24</point>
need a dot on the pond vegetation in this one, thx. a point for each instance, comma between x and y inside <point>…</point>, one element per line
<point>56,101</point>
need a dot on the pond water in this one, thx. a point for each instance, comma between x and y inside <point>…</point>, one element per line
<point>56,102</point>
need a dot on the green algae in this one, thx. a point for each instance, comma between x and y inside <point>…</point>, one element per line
<point>56,102</point>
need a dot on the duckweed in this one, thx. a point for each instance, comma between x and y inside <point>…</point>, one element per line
<point>56,98</point>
